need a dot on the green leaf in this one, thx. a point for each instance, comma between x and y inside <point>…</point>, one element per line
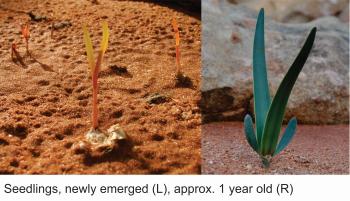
<point>249,132</point>
<point>261,87</point>
<point>278,106</point>
<point>287,136</point>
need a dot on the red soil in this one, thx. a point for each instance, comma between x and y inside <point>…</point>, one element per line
<point>314,150</point>
<point>46,101</point>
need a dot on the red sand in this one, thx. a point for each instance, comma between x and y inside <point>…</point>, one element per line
<point>314,150</point>
<point>46,103</point>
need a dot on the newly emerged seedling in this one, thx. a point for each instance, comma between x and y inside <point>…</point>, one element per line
<point>177,46</point>
<point>94,68</point>
<point>269,115</point>
<point>26,35</point>
<point>14,51</point>
<point>15,56</point>
<point>95,136</point>
<point>181,78</point>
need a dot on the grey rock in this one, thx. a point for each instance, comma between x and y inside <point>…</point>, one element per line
<point>61,25</point>
<point>321,93</point>
<point>296,11</point>
<point>35,17</point>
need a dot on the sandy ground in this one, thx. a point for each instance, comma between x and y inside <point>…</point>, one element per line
<point>46,101</point>
<point>314,150</point>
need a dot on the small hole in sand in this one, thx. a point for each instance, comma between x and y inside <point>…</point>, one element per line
<point>68,145</point>
<point>3,142</point>
<point>14,163</point>
<point>47,113</point>
<point>157,137</point>
<point>149,154</point>
<point>18,130</point>
<point>59,136</point>
<point>174,135</point>
<point>35,153</point>
<point>68,90</point>
<point>117,114</point>
<point>43,82</point>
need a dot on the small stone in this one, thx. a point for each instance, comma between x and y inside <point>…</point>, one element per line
<point>117,132</point>
<point>61,25</point>
<point>175,111</point>
<point>186,115</point>
<point>36,17</point>
<point>157,99</point>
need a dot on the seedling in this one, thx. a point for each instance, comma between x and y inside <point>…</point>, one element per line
<point>95,136</point>
<point>181,79</point>
<point>94,68</point>
<point>177,46</point>
<point>15,56</point>
<point>269,115</point>
<point>14,51</point>
<point>26,35</point>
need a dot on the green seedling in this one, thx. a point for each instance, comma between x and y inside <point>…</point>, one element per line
<point>269,115</point>
<point>94,68</point>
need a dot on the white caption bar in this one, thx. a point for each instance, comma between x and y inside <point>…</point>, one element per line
<point>201,187</point>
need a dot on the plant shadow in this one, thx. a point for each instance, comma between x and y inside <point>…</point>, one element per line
<point>123,153</point>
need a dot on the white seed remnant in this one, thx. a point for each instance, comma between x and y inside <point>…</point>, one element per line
<point>98,138</point>
<point>116,132</point>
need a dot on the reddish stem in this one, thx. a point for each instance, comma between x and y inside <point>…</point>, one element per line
<point>27,46</point>
<point>178,66</point>
<point>95,91</point>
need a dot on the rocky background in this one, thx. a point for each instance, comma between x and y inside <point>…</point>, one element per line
<point>299,11</point>
<point>321,93</point>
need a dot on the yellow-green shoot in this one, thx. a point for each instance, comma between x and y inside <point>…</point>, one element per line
<point>94,68</point>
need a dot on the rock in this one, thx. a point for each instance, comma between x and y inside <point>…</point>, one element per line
<point>157,98</point>
<point>35,17</point>
<point>297,10</point>
<point>61,25</point>
<point>321,93</point>
<point>344,15</point>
